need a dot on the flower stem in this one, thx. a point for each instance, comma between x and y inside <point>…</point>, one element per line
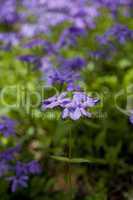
<point>69,166</point>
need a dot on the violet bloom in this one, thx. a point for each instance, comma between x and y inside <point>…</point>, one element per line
<point>18,182</point>
<point>28,58</point>
<point>34,167</point>
<point>69,36</point>
<point>22,172</point>
<point>34,43</point>
<point>77,108</point>
<point>119,32</point>
<point>73,108</point>
<point>64,75</point>
<point>21,169</point>
<point>79,13</point>
<point>55,101</point>
<point>4,168</point>
<point>67,74</point>
<point>8,11</point>
<point>48,47</point>
<point>7,126</point>
<point>11,38</point>
<point>76,63</point>
<point>114,5</point>
<point>8,154</point>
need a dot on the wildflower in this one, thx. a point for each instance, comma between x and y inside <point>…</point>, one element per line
<point>18,182</point>
<point>33,167</point>
<point>74,107</point>
<point>77,107</point>
<point>8,154</point>
<point>55,101</point>
<point>7,126</point>
<point>4,168</point>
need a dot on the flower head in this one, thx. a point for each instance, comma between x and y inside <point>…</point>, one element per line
<point>74,107</point>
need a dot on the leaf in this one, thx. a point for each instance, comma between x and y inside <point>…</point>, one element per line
<point>78,160</point>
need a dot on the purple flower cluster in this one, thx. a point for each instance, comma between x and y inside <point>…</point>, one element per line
<point>67,73</point>
<point>16,172</point>
<point>119,32</point>
<point>79,13</point>
<point>13,170</point>
<point>8,11</point>
<point>22,172</point>
<point>73,108</point>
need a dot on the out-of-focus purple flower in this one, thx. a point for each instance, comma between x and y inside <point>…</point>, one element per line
<point>114,5</point>
<point>21,169</point>
<point>48,47</point>
<point>79,13</point>
<point>34,43</point>
<point>4,168</point>
<point>67,73</point>
<point>118,32</point>
<point>18,182</point>
<point>76,63</point>
<point>69,36</point>
<point>8,155</point>
<point>34,167</point>
<point>64,75</point>
<point>11,38</point>
<point>7,126</point>
<point>104,53</point>
<point>30,59</point>
<point>8,11</point>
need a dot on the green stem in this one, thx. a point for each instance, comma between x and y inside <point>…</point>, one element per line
<point>69,166</point>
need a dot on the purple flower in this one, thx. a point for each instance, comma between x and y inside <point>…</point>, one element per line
<point>76,63</point>
<point>46,45</point>
<point>21,169</point>
<point>74,107</point>
<point>8,154</point>
<point>4,168</point>
<point>69,36</point>
<point>29,58</point>
<point>131,119</point>
<point>7,126</point>
<point>10,38</point>
<point>34,167</point>
<point>77,107</point>
<point>8,12</point>
<point>79,13</point>
<point>67,73</point>
<point>18,182</point>
<point>55,101</point>
<point>119,32</point>
<point>34,43</point>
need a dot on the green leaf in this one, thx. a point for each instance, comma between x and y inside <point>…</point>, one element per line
<point>78,160</point>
